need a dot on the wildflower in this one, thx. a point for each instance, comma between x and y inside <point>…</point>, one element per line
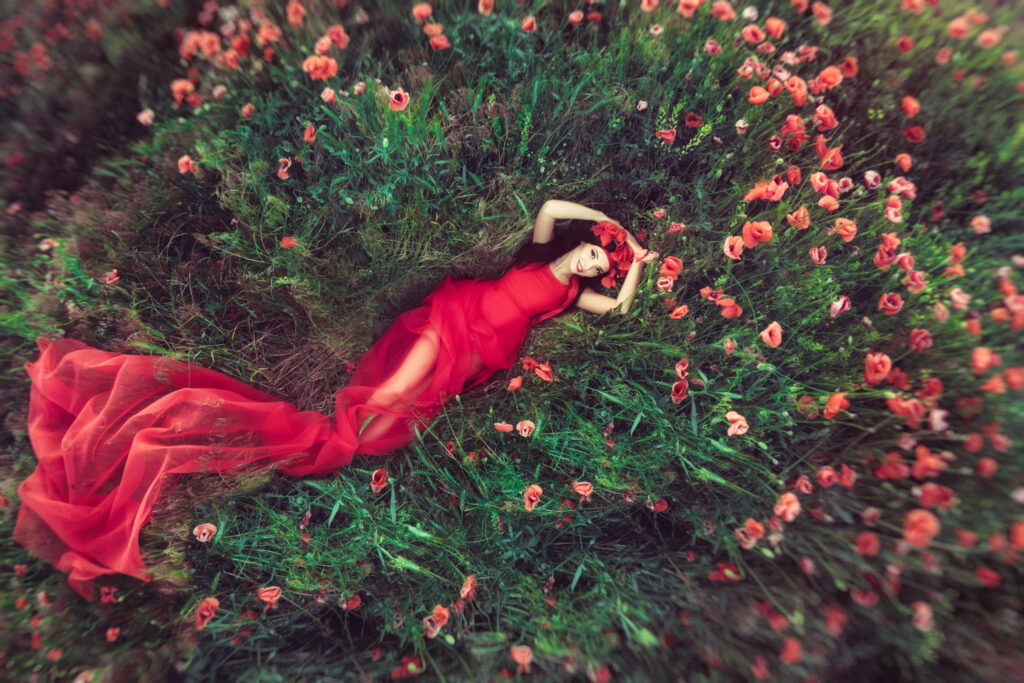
<point>792,652</point>
<point>269,595</point>
<point>145,117</point>
<point>919,527</point>
<point>205,611</point>
<point>738,423</point>
<point>750,533</point>
<point>379,480</point>
<point>422,10</point>
<point>320,67</point>
<point>436,621</point>
<point>772,335</point>
<point>787,507</point>
<point>525,427</point>
<point>468,590</point>
<point>503,427</point>
<point>185,165</point>
<point>283,165</point>
<point>523,656</point>
<point>310,134</point>
<point>204,532</point>
<point>289,242</point>
<point>532,496</point>
<point>584,489</point>
<point>515,383</point>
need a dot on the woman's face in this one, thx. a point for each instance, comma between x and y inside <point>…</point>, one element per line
<point>588,260</point>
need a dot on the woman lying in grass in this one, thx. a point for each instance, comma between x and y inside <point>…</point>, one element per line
<point>109,428</point>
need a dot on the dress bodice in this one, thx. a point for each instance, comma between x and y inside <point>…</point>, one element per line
<point>533,289</point>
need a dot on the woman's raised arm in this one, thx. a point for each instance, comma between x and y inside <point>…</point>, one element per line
<point>556,209</point>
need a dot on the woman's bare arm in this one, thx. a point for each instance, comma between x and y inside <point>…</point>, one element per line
<point>556,209</point>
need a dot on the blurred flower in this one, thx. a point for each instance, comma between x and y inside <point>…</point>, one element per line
<point>379,480</point>
<point>269,595</point>
<point>205,611</point>
<point>532,496</point>
<point>204,532</point>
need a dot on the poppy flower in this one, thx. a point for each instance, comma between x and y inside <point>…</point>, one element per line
<point>247,110</point>
<point>679,312</point>
<point>532,496</point>
<point>818,254</point>
<point>503,427</point>
<point>328,95</point>
<point>890,303</point>
<point>835,403</point>
<point>750,533</point>
<point>112,633</point>
<point>792,651</point>
<point>876,368</point>
<point>185,165</point>
<point>283,166</point>
<point>738,423</point>
<point>659,505</point>
<point>515,383</point>
<point>584,489</point>
<point>320,67</point>
<point>867,544</point>
<point>337,35</point>
<point>730,309</point>
<point>379,480</point>
<point>772,335</point>
<point>468,590</point>
<point>269,595</point>
<point>543,370</point>
<point>679,390</point>
<point>987,577</point>
<point>671,267</point>
<point>733,247</point>
<point>529,24</point>
<point>436,621</point>
<point>523,656</point>
<point>422,10</point>
<point>919,527</point>
<point>758,95</point>
<point>787,507</point>
<point>756,232</point>
<point>666,134</point>
<point>204,532</point>
<point>310,134</point>
<point>205,611</point>
<point>289,242</point>
<point>525,427</point>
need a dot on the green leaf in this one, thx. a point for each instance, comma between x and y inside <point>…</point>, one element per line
<point>576,576</point>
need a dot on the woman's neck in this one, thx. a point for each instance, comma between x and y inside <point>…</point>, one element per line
<point>562,269</point>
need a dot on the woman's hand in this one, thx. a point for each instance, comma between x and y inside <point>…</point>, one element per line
<point>639,253</point>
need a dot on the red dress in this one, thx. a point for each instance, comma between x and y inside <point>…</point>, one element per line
<point>110,428</point>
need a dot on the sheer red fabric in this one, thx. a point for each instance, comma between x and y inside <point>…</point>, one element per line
<point>111,429</point>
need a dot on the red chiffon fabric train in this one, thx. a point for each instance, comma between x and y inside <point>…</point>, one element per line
<point>109,429</point>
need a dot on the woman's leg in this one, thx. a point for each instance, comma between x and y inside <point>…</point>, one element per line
<point>407,381</point>
<point>380,424</point>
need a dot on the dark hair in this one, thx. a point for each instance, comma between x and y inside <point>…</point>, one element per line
<point>565,239</point>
